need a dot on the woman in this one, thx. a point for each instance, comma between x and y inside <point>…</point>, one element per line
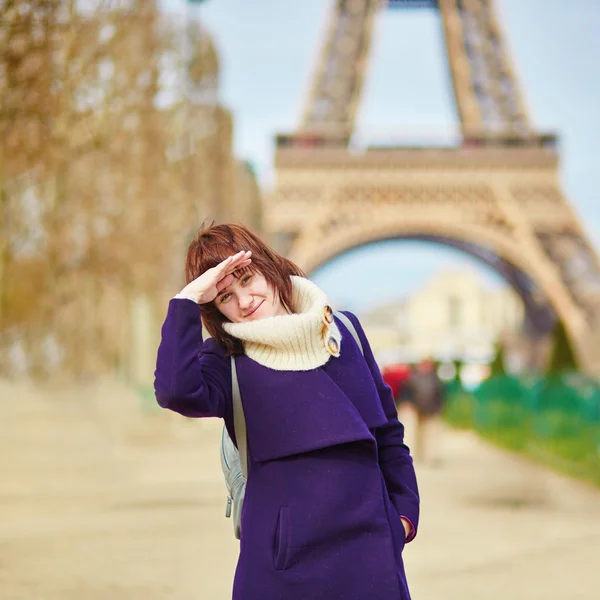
<point>331,496</point>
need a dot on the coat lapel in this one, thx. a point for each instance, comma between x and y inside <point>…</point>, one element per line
<point>290,412</point>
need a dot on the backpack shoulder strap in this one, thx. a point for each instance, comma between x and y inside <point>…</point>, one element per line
<point>239,421</point>
<point>350,327</point>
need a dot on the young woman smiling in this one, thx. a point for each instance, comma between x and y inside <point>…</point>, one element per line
<point>331,496</point>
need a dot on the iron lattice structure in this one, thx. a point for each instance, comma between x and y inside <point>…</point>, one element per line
<point>496,195</point>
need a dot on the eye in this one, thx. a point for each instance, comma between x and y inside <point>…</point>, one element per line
<point>246,279</point>
<point>224,297</point>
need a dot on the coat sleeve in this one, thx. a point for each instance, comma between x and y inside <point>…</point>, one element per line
<point>192,377</point>
<point>394,456</point>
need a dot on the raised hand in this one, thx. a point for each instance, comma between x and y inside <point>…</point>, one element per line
<point>206,287</point>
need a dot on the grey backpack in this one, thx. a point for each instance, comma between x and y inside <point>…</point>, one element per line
<point>234,461</point>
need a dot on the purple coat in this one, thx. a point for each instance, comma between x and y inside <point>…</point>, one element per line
<point>328,472</point>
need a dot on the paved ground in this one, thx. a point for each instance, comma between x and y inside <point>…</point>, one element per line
<point>100,499</point>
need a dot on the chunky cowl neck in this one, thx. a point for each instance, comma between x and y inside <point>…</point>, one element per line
<point>301,341</point>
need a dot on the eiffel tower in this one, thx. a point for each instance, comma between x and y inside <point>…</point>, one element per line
<point>496,195</point>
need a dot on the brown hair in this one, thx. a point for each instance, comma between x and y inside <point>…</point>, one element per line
<point>211,246</point>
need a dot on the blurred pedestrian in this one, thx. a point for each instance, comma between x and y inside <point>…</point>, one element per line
<point>427,395</point>
<point>397,376</point>
<point>331,496</point>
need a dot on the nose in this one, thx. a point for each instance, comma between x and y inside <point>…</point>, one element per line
<point>245,302</point>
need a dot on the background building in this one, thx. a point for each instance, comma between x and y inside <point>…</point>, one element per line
<point>455,315</point>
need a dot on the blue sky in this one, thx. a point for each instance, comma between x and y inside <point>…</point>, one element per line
<point>268,49</point>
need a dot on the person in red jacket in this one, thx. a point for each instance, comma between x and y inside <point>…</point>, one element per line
<point>397,376</point>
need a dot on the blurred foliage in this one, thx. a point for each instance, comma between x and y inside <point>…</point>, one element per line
<point>554,420</point>
<point>106,166</point>
<point>497,366</point>
<point>458,366</point>
<point>562,357</point>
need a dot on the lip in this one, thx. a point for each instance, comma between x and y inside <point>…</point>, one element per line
<point>251,313</point>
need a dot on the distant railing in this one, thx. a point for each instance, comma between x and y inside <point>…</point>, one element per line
<point>542,140</point>
<point>412,3</point>
<point>556,420</point>
<point>415,141</point>
<point>311,140</point>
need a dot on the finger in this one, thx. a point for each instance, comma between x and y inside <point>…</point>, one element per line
<point>223,266</point>
<point>232,263</point>
<point>234,257</point>
<point>240,256</point>
<point>238,267</point>
<point>239,259</point>
<point>223,283</point>
<point>237,263</point>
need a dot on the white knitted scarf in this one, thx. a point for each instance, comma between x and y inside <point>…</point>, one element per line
<point>301,341</point>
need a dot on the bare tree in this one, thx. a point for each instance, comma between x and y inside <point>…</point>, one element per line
<point>106,168</point>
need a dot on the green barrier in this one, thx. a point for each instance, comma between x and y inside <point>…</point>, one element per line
<point>556,420</point>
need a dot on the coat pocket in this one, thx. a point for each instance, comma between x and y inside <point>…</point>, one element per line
<point>397,526</point>
<point>402,533</point>
<point>282,539</point>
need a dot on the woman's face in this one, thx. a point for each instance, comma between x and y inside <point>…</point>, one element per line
<point>249,298</point>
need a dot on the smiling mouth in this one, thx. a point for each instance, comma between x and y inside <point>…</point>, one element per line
<point>251,313</point>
